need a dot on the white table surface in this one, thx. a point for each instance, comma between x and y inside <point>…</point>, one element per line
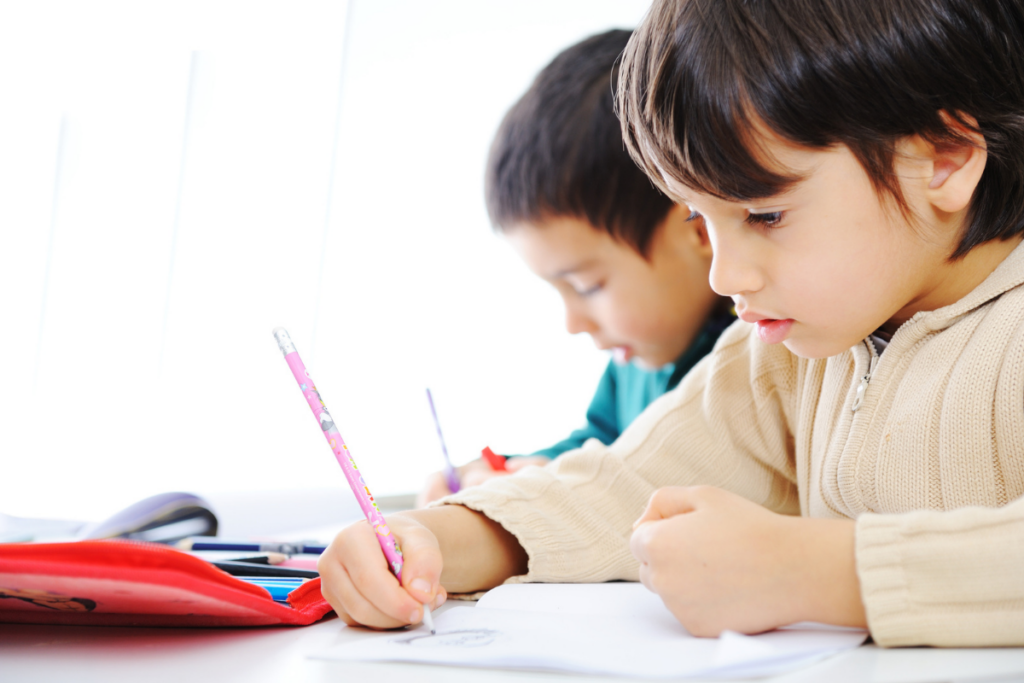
<point>73,654</point>
<point>41,654</point>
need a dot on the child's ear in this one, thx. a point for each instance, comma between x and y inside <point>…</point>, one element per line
<point>694,232</point>
<point>701,240</point>
<point>700,232</point>
<point>956,169</point>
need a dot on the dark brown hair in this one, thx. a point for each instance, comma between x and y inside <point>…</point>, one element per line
<point>559,151</point>
<point>699,75</point>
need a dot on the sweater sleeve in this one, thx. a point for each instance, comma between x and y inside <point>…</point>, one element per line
<point>602,422</point>
<point>953,578</point>
<point>725,425</point>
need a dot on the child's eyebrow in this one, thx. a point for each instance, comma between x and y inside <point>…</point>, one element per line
<point>583,265</point>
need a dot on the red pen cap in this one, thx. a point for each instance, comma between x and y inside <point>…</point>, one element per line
<point>497,462</point>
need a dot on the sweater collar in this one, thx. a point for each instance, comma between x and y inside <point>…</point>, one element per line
<point>1006,276</point>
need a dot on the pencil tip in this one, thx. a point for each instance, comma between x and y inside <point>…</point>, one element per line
<point>428,619</point>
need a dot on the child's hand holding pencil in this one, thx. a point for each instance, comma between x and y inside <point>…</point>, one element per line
<point>356,580</point>
<point>448,548</point>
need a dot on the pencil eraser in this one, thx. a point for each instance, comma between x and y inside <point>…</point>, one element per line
<point>284,342</point>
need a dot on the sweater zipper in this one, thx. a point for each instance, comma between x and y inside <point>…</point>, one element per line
<point>862,388</point>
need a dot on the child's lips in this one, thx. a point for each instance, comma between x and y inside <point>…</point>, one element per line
<point>773,331</point>
<point>621,354</point>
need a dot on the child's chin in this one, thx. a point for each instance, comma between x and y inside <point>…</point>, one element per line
<point>646,364</point>
<point>808,348</point>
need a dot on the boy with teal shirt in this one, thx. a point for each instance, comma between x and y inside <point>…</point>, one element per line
<point>630,265</point>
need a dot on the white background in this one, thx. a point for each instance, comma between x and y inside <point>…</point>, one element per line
<point>179,178</point>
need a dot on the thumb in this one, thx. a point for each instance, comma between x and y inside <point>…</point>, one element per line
<point>421,573</point>
<point>671,501</point>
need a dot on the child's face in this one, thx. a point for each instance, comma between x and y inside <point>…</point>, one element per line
<point>649,311</point>
<point>822,266</point>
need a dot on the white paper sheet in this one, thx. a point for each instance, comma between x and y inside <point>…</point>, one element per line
<point>614,629</point>
<point>619,599</point>
<point>622,598</point>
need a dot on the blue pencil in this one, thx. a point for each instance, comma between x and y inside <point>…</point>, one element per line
<point>279,588</point>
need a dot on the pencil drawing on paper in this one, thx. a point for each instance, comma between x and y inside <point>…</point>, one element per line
<point>476,637</point>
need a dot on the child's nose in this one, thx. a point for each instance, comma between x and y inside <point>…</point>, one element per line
<point>577,321</point>
<point>731,274</point>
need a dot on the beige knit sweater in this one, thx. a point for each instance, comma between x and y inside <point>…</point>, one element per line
<point>931,465</point>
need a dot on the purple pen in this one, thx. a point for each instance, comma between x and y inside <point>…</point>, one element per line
<point>344,457</point>
<point>450,475</point>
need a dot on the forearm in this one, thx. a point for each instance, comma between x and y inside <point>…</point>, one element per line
<point>478,553</point>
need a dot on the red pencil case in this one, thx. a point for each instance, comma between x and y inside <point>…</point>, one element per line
<point>126,583</point>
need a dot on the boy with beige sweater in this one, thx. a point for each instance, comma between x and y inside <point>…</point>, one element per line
<point>852,451</point>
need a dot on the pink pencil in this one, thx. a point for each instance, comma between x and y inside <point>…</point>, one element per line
<point>344,457</point>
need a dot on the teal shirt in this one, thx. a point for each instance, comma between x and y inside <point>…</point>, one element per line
<point>626,390</point>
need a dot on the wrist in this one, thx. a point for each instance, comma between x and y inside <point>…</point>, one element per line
<point>828,586</point>
<point>478,553</point>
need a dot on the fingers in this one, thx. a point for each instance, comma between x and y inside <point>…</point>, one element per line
<point>518,463</point>
<point>354,609</point>
<point>421,575</point>
<point>642,540</point>
<point>476,477</point>
<point>652,532</point>
<point>354,566</point>
<point>473,466</point>
<point>480,474</point>
<point>473,473</point>
<point>674,500</point>
<point>645,577</point>
<point>356,580</point>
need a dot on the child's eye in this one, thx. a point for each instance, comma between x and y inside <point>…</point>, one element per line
<point>694,215</point>
<point>590,291</point>
<point>766,220</point>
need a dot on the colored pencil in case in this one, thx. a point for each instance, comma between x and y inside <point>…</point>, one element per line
<point>271,559</point>
<point>450,475</point>
<point>269,570</point>
<point>278,588</point>
<point>199,543</point>
<point>385,538</point>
